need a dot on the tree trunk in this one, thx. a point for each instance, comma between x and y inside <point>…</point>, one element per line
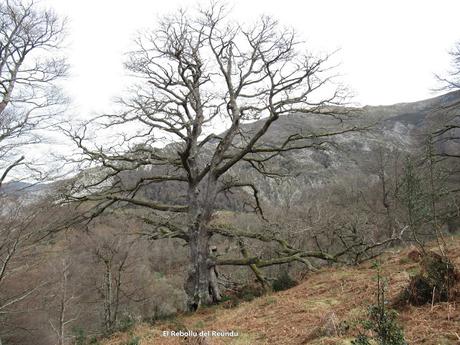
<point>198,281</point>
<point>108,323</point>
<point>2,107</point>
<point>213,285</point>
<point>201,285</point>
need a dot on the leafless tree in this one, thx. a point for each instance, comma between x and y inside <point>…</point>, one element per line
<point>29,65</point>
<point>64,297</point>
<point>445,139</point>
<point>209,90</point>
<point>22,226</point>
<point>113,254</point>
<point>447,133</point>
<point>451,80</point>
<point>386,167</point>
<point>29,41</point>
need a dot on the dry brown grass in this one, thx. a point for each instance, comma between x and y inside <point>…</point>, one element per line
<point>323,309</point>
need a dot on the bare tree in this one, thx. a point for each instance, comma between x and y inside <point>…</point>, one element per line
<point>445,140</point>
<point>64,297</point>
<point>447,132</point>
<point>209,90</point>
<point>29,66</point>
<point>451,80</point>
<point>22,227</point>
<point>110,253</point>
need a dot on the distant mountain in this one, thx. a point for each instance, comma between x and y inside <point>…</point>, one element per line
<point>400,127</point>
<point>29,192</point>
<point>392,128</point>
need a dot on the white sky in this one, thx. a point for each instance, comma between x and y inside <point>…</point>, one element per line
<point>389,49</point>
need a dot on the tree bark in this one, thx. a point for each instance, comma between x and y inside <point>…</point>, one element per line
<point>197,288</point>
<point>108,320</point>
<point>213,285</point>
<point>2,107</point>
<point>201,285</point>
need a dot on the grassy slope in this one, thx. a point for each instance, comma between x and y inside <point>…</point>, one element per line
<point>307,313</point>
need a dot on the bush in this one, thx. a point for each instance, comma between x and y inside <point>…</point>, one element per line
<point>94,341</point>
<point>133,341</point>
<point>434,283</point>
<point>230,301</point>
<point>80,335</point>
<point>249,292</point>
<point>283,282</point>
<point>361,340</point>
<point>126,323</point>
<point>382,322</point>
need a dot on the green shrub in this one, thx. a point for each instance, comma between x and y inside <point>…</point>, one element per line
<point>133,341</point>
<point>81,338</point>
<point>384,326</point>
<point>126,323</point>
<point>79,335</point>
<point>361,340</point>
<point>382,322</point>
<point>94,341</point>
<point>249,292</point>
<point>433,284</point>
<point>283,282</point>
<point>229,302</point>
<point>247,296</point>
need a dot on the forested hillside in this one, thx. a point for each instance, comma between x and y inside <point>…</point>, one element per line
<point>234,166</point>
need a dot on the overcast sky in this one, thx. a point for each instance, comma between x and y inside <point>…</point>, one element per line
<point>389,49</point>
